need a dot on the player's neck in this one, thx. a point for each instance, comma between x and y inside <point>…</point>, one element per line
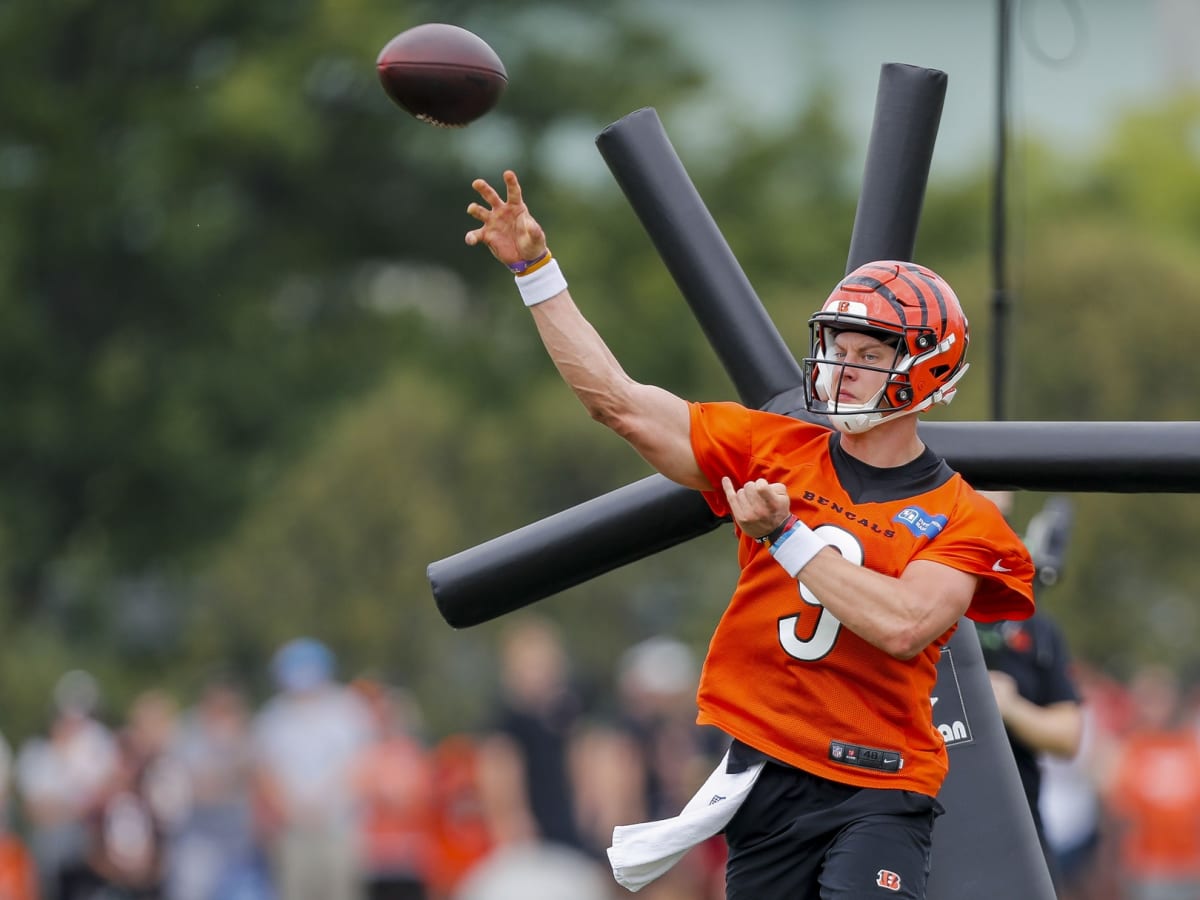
<point>888,444</point>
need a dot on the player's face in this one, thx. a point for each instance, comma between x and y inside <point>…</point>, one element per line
<point>853,384</point>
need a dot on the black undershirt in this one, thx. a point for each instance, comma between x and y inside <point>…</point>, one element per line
<point>869,484</point>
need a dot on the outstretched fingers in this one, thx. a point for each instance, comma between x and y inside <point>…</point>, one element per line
<point>508,229</point>
<point>475,211</point>
<point>513,187</point>
<point>487,192</point>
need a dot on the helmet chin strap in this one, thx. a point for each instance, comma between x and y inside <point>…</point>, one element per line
<point>858,418</point>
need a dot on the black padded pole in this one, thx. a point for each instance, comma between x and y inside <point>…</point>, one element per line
<point>575,545</point>
<point>908,110</point>
<point>985,845</point>
<point>566,549</point>
<point>1073,457</point>
<point>709,277</point>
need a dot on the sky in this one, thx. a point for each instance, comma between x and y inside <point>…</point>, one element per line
<point>1075,66</point>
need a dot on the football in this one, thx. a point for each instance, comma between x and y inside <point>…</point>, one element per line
<point>441,74</point>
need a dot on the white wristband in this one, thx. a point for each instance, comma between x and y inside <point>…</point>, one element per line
<point>796,547</point>
<point>541,284</point>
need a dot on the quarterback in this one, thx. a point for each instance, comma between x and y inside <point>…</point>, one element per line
<point>860,550</point>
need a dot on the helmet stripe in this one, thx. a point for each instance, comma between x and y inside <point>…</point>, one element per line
<point>932,284</point>
<point>881,289</point>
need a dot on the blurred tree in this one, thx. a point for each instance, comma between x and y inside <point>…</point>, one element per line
<point>217,230</point>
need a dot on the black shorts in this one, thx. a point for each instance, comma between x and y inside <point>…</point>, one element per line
<point>800,837</point>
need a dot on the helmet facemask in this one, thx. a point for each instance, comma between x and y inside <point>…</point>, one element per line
<point>825,374</point>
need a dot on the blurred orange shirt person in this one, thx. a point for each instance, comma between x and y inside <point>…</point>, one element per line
<point>1154,788</point>
<point>392,779</point>
<point>462,834</point>
<point>18,876</point>
<point>1156,792</point>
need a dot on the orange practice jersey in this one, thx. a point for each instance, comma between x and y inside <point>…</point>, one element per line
<point>782,674</point>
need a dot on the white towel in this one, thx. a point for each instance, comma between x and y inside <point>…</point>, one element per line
<point>640,853</point>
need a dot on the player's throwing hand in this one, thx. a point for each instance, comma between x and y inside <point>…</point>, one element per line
<point>508,230</point>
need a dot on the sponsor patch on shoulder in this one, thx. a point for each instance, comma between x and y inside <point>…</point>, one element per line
<point>921,523</point>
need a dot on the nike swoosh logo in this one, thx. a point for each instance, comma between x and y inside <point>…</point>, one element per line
<point>999,567</point>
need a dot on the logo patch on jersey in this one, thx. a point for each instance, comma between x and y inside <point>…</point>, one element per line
<point>886,878</point>
<point>921,523</point>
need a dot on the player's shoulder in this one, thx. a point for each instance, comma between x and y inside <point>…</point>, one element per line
<point>969,500</point>
<point>782,420</point>
<point>765,426</point>
<point>943,496</point>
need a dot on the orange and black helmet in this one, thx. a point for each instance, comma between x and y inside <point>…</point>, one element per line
<point>907,306</point>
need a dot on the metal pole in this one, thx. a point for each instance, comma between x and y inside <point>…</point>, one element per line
<point>999,223</point>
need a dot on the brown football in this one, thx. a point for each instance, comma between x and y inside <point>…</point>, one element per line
<point>441,74</point>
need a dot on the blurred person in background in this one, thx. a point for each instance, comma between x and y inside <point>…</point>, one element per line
<point>527,775</point>
<point>394,787</point>
<point>127,825</point>
<point>536,871</point>
<point>631,763</point>
<point>1153,793</point>
<point>461,834</point>
<point>1070,805</point>
<point>525,754</point>
<point>212,852</point>
<point>656,687</point>
<point>307,739</point>
<point>18,873</point>
<point>608,776</point>
<point>60,777</point>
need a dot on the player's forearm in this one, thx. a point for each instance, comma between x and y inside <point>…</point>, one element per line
<point>581,357</point>
<point>1055,729</point>
<point>884,611</point>
<point>655,422</point>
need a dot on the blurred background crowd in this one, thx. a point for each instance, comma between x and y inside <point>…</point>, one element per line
<point>332,787</point>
